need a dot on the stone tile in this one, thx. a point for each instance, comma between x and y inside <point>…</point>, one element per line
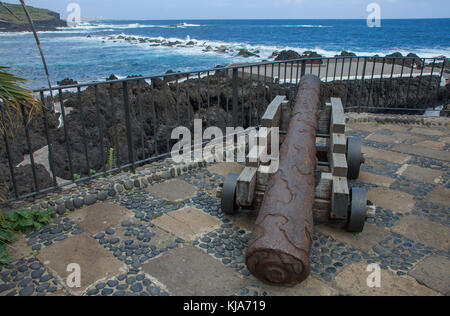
<point>445,140</point>
<point>395,138</point>
<point>422,174</point>
<point>312,286</point>
<point>385,155</point>
<point>424,231</point>
<point>431,144</point>
<point>433,272</point>
<point>397,127</point>
<point>98,217</point>
<point>175,227</point>
<point>188,271</point>
<point>427,131</point>
<point>175,190</point>
<point>246,221</point>
<point>362,127</point>
<point>375,179</point>
<point>422,151</point>
<point>353,280</point>
<point>187,223</point>
<point>439,195</point>
<point>395,201</point>
<point>225,168</point>
<point>162,239</point>
<point>364,241</point>
<point>96,262</point>
<point>19,249</point>
<point>197,220</point>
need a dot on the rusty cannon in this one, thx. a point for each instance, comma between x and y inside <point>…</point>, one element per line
<point>309,186</point>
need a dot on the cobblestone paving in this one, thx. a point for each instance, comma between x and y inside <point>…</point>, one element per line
<point>138,241</point>
<point>61,229</point>
<point>132,283</point>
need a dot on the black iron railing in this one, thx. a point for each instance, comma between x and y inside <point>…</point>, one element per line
<point>95,129</point>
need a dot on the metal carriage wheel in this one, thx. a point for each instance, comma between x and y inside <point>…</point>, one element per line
<point>358,210</point>
<point>354,151</point>
<point>229,205</point>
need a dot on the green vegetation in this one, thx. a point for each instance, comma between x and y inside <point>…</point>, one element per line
<point>19,16</point>
<point>13,94</point>
<point>111,163</point>
<point>18,222</point>
<point>5,238</point>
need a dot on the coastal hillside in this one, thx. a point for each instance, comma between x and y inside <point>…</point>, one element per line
<point>44,20</point>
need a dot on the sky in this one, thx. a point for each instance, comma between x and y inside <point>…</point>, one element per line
<point>246,9</point>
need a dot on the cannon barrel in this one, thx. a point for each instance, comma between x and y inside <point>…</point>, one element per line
<point>279,249</point>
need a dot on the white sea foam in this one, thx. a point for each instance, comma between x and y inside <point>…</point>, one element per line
<point>89,26</point>
<point>264,51</point>
<point>306,25</point>
<point>101,27</point>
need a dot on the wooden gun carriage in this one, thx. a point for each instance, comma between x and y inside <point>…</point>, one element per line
<point>309,186</point>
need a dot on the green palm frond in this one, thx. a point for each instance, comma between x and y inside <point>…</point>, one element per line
<point>12,95</point>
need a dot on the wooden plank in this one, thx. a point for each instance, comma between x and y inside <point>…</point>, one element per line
<point>323,188</point>
<point>339,198</point>
<point>255,156</point>
<point>264,136</point>
<point>257,201</point>
<point>338,164</point>
<point>286,112</point>
<point>322,204</point>
<point>338,143</point>
<point>272,116</point>
<point>337,122</point>
<point>321,211</point>
<point>323,123</point>
<point>261,187</point>
<point>246,185</point>
<point>262,178</point>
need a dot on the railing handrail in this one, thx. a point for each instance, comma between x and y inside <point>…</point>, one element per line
<point>231,67</point>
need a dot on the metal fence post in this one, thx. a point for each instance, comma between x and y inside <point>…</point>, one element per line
<point>126,102</point>
<point>11,166</point>
<point>235,96</point>
<point>439,84</point>
<point>303,68</point>
<point>363,79</point>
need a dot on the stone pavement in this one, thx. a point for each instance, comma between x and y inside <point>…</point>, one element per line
<point>170,237</point>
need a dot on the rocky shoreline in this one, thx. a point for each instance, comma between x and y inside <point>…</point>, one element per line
<point>43,20</point>
<point>413,59</point>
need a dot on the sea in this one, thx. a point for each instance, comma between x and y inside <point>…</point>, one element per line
<point>94,50</point>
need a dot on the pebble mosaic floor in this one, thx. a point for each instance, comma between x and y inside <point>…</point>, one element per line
<point>133,241</point>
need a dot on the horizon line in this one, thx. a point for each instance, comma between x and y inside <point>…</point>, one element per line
<point>255,19</point>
